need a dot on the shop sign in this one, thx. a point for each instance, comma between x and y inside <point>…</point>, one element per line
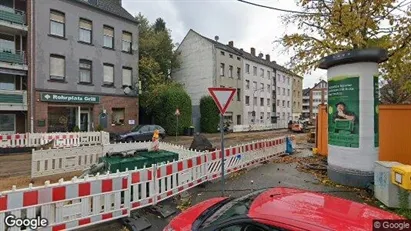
<point>67,98</point>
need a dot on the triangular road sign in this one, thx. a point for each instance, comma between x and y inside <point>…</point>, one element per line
<point>222,97</point>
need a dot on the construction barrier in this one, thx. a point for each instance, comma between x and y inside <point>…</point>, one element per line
<point>59,140</point>
<point>256,127</point>
<point>78,203</point>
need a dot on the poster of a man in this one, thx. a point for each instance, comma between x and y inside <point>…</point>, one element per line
<point>343,113</point>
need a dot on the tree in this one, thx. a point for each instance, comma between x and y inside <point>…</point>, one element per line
<point>395,92</point>
<point>209,115</point>
<point>159,25</point>
<point>330,26</point>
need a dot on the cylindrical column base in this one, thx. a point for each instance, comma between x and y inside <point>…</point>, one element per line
<point>350,177</point>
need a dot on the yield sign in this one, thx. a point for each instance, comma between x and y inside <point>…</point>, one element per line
<point>222,97</point>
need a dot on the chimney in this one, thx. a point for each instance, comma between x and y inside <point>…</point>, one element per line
<point>274,62</point>
<point>267,57</point>
<point>120,2</point>
<point>231,43</point>
<point>253,51</point>
<point>260,55</point>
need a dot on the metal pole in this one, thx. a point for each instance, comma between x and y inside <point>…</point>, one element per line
<point>177,129</point>
<point>222,152</point>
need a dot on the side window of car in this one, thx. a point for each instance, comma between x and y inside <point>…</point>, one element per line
<point>151,128</point>
<point>144,129</point>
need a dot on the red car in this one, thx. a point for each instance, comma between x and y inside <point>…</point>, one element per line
<point>279,209</point>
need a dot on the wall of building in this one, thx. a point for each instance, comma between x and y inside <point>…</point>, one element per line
<point>252,91</point>
<point>318,95</point>
<point>229,59</point>
<point>74,51</point>
<point>297,87</point>
<point>196,71</point>
<point>284,94</point>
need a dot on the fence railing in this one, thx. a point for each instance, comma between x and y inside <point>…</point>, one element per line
<point>78,203</point>
<point>60,140</point>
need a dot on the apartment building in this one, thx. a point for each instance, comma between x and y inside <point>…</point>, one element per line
<point>259,88</point>
<point>284,97</point>
<point>297,96</point>
<point>85,56</point>
<point>14,75</point>
<point>313,97</point>
<point>207,63</point>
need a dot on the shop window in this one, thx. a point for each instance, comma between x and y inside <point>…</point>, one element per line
<point>61,119</point>
<point>7,123</point>
<point>118,116</point>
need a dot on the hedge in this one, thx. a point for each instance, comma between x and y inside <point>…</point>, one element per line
<point>164,112</point>
<point>209,115</point>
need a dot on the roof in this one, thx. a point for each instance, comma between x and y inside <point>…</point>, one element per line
<point>111,7</point>
<point>314,211</point>
<point>306,91</point>
<point>247,55</point>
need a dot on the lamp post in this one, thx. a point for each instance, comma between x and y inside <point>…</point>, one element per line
<point>134,90</point>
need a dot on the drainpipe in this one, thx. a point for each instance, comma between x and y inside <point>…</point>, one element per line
<point>31,66</point>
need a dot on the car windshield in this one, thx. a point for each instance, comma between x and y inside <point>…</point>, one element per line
<point>136,128</point>
<point>236,207</point>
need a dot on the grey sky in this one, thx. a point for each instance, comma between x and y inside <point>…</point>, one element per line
<point>248,26</point>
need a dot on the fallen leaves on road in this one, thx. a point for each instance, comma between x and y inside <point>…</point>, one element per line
<point>237,174</point>
<point>286,159</point>
<point>184,204</point>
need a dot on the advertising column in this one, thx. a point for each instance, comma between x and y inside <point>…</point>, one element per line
<point>353,115</point>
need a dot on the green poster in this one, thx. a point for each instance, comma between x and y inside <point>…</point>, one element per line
<point>376,103</point>
<point>344,111</point>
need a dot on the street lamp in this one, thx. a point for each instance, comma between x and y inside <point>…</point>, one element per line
<point>253,112</point>
<point>134,90</point>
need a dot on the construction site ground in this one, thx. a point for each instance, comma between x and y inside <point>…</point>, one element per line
<point>15,168</point>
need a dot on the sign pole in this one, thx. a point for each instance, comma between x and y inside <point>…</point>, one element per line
<point>222,152</point>
<point>177,130</point>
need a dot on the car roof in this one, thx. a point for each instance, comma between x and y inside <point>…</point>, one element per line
<point>305,209</point>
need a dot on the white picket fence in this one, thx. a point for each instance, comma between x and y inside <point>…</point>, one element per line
<point>70,139</point>
<point>47,162</point>
<point>78,203</point>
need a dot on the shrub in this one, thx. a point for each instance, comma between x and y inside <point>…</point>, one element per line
<point>209,115</point>
<point>167,102</point>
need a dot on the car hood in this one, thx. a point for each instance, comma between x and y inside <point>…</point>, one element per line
<point>185,220</point>
<point>309,209</point>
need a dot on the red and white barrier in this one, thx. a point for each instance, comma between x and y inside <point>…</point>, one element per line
<point>69,205</point>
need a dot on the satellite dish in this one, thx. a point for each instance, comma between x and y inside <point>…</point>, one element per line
<point>216,38</point>
<point>127,90</point>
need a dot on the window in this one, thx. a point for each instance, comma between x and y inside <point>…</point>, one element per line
<point>254,85</point>
<point>261,101</point>
<point>255,71</point>
<point>288,115</point>
<point>57,23</point>
<point>238,119</point>
<point>283,103</point>
<point>231,56</point>
<point>288,103</point>
<point>127,38</point>
<point>279,90</point>
<point>262,86</point>
<point>222,66</point>
<point>288,80</point>
<point>118,116</point>
<point>108,74</point>
<point>283,91</point>
<point>238,73</point>
<point>85,33</point>
<point>262,72</point>
<point>284,115</point>
<point>85,71</point>
<point>268,102</point>
<point>108,37</point>
<point>255,101</point>
<point>288,92</point>
<point>7,82</point>
<point>230,71</point>
<point>268,87</point>
<point>238,94</point>
<point>7,123</point>
<point>238,58</point>
<point>278,77</point>
<point>298,104</point>
<point>283,78</point>
<point>127,76</point>
<point>247,68</point>
<point>294,104</point>
<point>268,74</point>
<point>247,84</point>
<point>57,67</point>
<point>247,100</point>
<point>293,81</point>
<point>278,102</point>
<point>222,53</point>
<point>293,92</point>
<point>261,115</point>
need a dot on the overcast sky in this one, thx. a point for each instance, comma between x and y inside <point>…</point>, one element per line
<point>248,26</point>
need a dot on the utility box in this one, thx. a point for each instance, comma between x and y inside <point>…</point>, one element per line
<point>384,190</point>
<point>401,176</point>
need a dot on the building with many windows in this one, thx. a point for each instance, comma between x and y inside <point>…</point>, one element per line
<point>67,64</point>
<point>297,97</point>
<point>284,97</point>
<point>313,97</point>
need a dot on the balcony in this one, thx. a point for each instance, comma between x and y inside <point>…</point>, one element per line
<point>13,100</point>
<point>13,60</point>
<point>12,19</point>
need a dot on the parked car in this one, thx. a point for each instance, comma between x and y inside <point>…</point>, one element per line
<point>139,133</point>
<point>279,209</point>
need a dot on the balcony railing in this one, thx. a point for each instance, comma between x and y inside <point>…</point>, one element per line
<point>13,99</point>
<point>17,57</point>
<point>11,15</point>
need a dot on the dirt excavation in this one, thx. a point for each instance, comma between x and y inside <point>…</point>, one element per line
<point>15,168</point>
